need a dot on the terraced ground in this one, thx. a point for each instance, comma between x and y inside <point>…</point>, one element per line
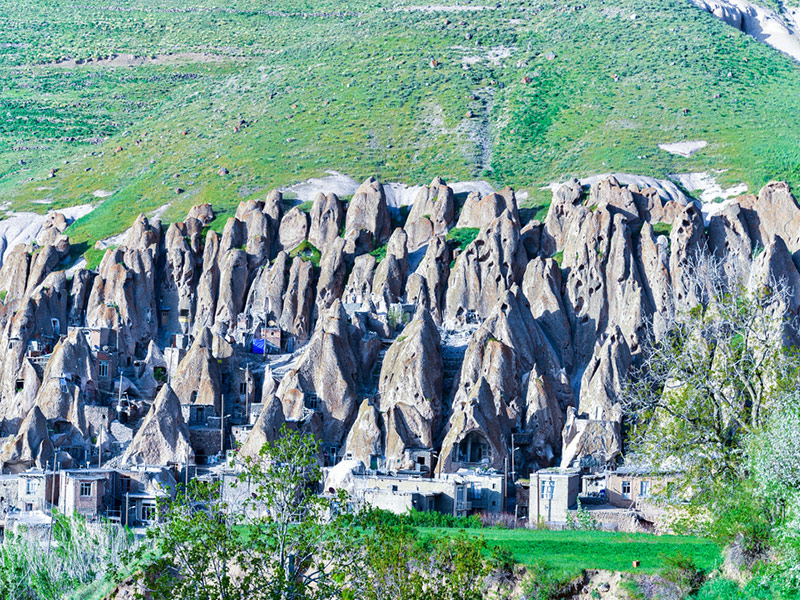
<point>168,103</point>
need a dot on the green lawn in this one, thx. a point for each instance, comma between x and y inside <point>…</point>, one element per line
<point>572,551</point>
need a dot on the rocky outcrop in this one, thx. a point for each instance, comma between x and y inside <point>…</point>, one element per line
<point>332,271</point>
<point>266,294</point>
<point>163,437</point>
<point>267,428</point>
<point>30,447</point>
<point>327,216</point>
<point>427,285</point>
<point>367,212</point>
<point>123,296</point>
<point>481,212</point>
<point>488,268</point>
<point>197,379</point>
<point>359,284</point>
<point>324,379</point>
<point>410,388</point>
<point>293,229</point>
<point>390,274</point>
<point>432,214</point>
<point>596,441</point>
<point>365,439</point>
<point>298,301</point>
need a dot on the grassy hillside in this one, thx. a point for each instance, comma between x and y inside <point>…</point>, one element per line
<point>519,93</point>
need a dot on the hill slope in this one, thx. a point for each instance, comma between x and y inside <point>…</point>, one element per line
<point>174,103</point>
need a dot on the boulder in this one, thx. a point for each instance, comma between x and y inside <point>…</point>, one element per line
<point>481,212</point>
<point>293,230</point>
<point>327,216</point>
<point>368,212</point>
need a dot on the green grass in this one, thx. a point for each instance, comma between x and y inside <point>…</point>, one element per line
<point>463,236</point>
<point>379,253</point>
<point>662,229</point>
<point>98,590</point>
<point>306,251</point>
<point>571,551</point>
<point>309,86</point>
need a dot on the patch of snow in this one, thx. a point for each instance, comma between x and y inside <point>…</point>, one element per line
<point>333,183</point>
<point>42,201</point>
<point>711,192</point>
<point>25,227</point>
<point>684,148</point>
<point>114,240</point>
<point>159,212</point>
<point>102,193</point>
<point>397,194</point>
<point>665,188</point>
<point>778,30</point>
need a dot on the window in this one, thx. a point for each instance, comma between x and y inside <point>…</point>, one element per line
<point>148,512</point>
<point>311,401</point>
<point>242,387</point>
<point>103,368</point>
<point>626,490</point>
<point>548,488</point>
<point>86,489</point>
<point>31,486</point>
<point>644,489</point>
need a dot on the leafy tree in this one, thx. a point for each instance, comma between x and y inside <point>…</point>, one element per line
<point>268,534</point>
<point>395,564</point>
<point>708,378</point>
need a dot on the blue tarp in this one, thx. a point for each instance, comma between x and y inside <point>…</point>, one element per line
<point>258,346</point>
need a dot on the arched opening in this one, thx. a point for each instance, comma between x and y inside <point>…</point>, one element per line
<point>474,448</point>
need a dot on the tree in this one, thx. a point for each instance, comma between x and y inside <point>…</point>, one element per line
<point>268,535</point>
<point>265,534</point>
<point>709,378</point>
<point>395,563</point>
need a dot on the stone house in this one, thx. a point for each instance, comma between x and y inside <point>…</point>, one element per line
<point>629,486</point>
<point>35,490</point>
<point>128,496</point>
<point>553,492</point>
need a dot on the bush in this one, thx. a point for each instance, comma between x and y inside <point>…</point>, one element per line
<point>543,582</point>
<point>414,518</point>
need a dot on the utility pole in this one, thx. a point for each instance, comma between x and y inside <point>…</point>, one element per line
<point>505,484</point>
<point>127,507</point>
<point>513,448</point>
<point>222,427</point>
